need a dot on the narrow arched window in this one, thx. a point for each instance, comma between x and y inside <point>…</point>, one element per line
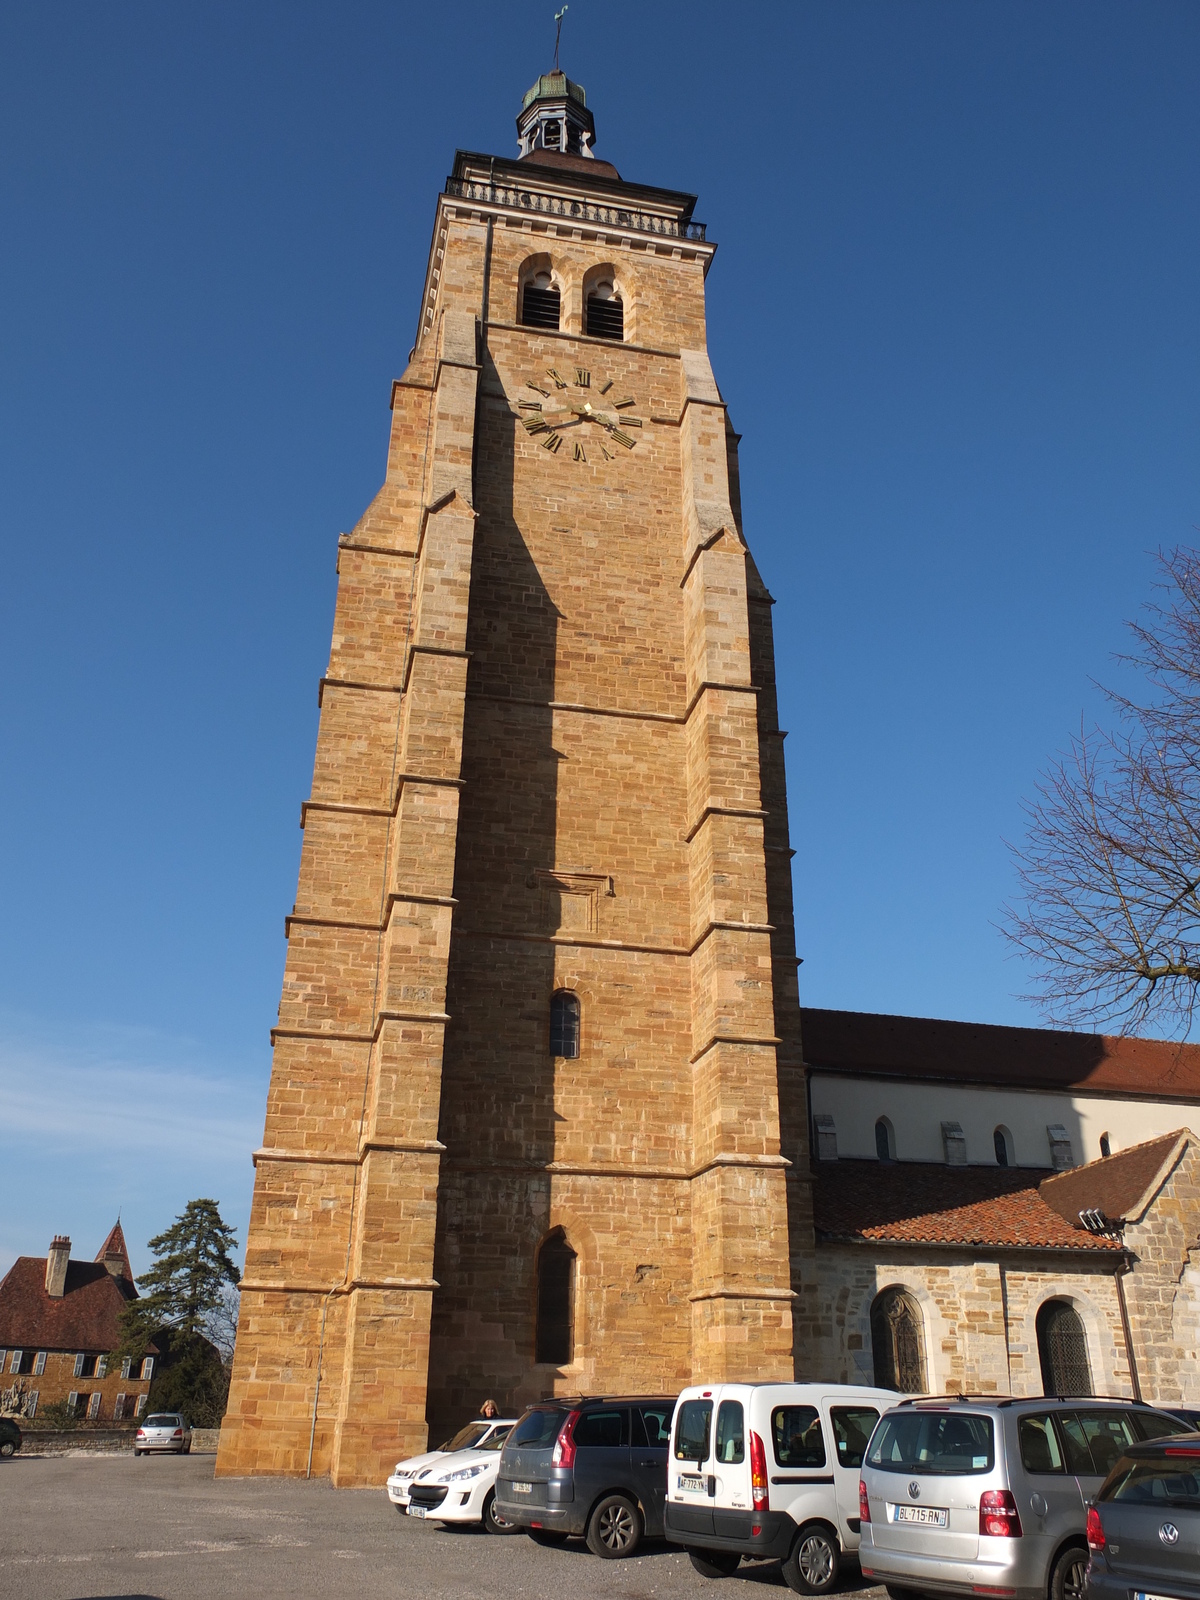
<point>885,1140</point>
<point>898,1342</point>
<point>1105,1145</point>
<point>1062,1349</point>
<point>540,302</point>
<point>605,311</point>
<point>555,1300</point>
<point>564,1024</point>
<point>1002,1140</point>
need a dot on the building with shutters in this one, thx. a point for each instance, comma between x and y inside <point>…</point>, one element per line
<point>539,1115</point>
<point>59,1324</point>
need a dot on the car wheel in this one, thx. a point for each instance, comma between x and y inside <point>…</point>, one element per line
<point>812,1566</point>
<point>8,1448</point>
<point>187,1449</point>
<point>1069,1578</point>
<point>136,1451</point>
<point>715,1563</point>
<point>493,1522</point>
<point>546,1536</point>
<point>615,1528</point>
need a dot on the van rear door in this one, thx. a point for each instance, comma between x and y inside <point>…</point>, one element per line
<point>851,1424</point>
<point>690,1466</point>
<point>731,1469</point>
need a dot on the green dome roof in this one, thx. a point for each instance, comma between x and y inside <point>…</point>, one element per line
<point>553,86</point>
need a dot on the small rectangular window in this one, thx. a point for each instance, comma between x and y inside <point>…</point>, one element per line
<point>1040,1450</point>
<point>39,1366</point>
<point>796,1431</point>
<point>87,1368</point>
<point>147,1369</point>
<point>852,1430</point>
<point>731,1432</point>
<point>93,1410</point>
<point>692,1428</point>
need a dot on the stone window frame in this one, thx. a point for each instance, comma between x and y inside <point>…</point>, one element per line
<point>887,1125</point>
<point>904,1290</point>
<point>898,1275</point>
<point>542,261</point>
<point>568,993</point>
<point>602,272</point>
<point>1102,1330</point>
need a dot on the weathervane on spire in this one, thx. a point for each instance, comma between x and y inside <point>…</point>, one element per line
<point>558,16</point>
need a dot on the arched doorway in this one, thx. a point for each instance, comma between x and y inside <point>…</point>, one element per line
<point>898,1342</point>
<point>1062,1350</point>
<point>555,1301</point>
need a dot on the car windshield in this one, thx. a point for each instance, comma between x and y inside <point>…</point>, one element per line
<point>496,1438</point>
<point>933,1442</point>
<point>1174,1482</point>
<point>538,1429</point>
<point>467,1438</point>
<point>161,1420</point>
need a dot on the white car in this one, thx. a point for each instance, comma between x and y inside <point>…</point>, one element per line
<point>462,1487</point>
<point>476,1435</point>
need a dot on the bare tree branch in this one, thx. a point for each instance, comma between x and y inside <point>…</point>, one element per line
<point>1109,914</point>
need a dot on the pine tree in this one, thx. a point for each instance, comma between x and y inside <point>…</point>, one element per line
<point>188,1279</point>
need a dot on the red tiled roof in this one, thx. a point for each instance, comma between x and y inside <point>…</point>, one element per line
<point>927,1203</point>
<point>114,1245</point>
<point>972,1052</point>
<point>1120,1185</point>
<point>86,1318</point>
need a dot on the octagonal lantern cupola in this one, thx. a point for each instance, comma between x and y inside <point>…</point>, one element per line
<point>554,116</point>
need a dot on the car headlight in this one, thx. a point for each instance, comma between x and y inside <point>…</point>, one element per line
<point>463,1472</point>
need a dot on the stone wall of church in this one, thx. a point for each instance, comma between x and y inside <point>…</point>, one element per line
<point>1163,1289</point>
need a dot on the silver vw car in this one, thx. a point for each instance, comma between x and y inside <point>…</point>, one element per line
<point>988,1495</point>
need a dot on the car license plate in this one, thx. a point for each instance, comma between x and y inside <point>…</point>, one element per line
<point>687,1481</point>
<point>522,1488</point>
<point>1142,1594</point>
<point>416,1511</point>
<point>926,1516</point>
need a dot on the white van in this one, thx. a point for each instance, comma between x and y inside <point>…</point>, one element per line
<point>770,1470</point>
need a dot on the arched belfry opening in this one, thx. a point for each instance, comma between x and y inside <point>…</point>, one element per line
<point>555,1317</point>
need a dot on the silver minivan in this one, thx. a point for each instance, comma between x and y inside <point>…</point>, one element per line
<point>987,1496</point>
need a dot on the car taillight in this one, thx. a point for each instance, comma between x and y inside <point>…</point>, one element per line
<point>1095,1530</point>
<point>178,1434</point>
<point>864,1504</point>
<point>563,1454</point>
<point>998,1514</point>
<point>141,1433</point>
<point>758,1473</point>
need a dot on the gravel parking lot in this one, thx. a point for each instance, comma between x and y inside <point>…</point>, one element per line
<point>81,1527</point>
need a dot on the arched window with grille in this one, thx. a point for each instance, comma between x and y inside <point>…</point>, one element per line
<point>898,1342</point>
<point>1062,1349</point>
<point>885,1140</point>
<point>564,1024</point>
<point>555,1318</point>
<point>1002,1142</point>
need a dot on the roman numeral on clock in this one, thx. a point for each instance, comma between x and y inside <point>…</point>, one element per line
<point>628,401</point>
<point>536,424</point>
<point>553,442</point>
<point>559,381</point>
<point>605,387</point>
<point>579,455</point>
<point>583,378</point>
<point>622,438</point>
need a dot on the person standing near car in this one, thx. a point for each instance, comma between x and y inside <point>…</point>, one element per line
<point>489,1409</point>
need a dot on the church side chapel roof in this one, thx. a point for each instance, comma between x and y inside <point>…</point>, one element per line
<point>87,1315</point>
<point>919,1203</point>
<point>1119,1186</point>
<point>927,1049</point>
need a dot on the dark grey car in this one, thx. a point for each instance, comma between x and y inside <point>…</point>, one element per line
<point>1143,1529</point>
<point>595,1467</point>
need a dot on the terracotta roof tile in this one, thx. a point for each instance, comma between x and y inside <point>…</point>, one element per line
<point>86,1318</point>
<point>1121,1185</point>
<point>920,1203</point>
<point>971,1052</point>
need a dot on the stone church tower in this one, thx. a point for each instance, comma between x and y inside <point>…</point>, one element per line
<point>539,1012</point>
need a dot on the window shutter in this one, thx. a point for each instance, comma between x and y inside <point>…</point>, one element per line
<point>126,1366</point>
<point>140,1405</point>
<point>39,1364</point>
<point>31,1400</point>
<point>93,1407</point>
<point>72,1402</point>
<point>148,1368</point>
<point>15,1364</point>
<point>78,1373</point>
<point>102,1367</point>
<point>118,1408</point>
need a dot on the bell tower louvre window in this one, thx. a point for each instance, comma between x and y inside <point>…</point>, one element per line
<point>541,303</point>
<point>605,314</point>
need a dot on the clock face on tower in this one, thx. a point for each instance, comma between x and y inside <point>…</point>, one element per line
<point>576,419</point>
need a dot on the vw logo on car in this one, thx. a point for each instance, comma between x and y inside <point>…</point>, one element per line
<point>1168,1533</point>
<point>914,1490</point>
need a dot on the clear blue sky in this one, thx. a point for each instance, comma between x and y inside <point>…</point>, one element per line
<point>954,314</point>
